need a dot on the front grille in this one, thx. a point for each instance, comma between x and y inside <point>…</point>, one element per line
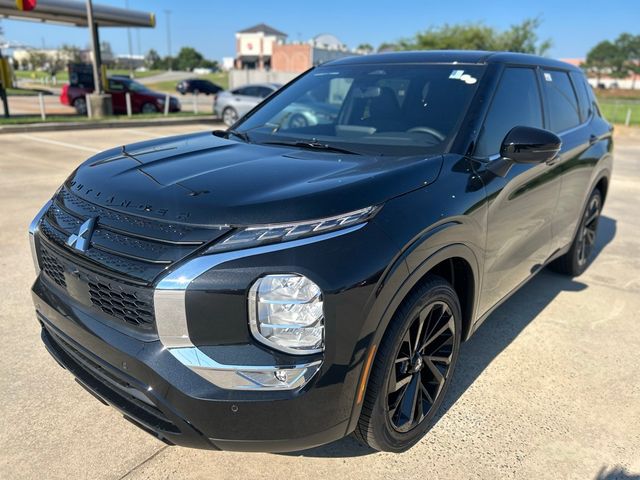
<point>118,302</point>
<point>126,255</point>
<point>52,268</point>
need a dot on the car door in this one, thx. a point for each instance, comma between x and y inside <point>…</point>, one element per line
<point>520,203</point>
<point>244,99</point>
<point>569,111</point>
<point>117,89</point>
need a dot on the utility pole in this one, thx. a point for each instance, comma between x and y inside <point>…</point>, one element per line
<point>168,14</point>
<point>95,47</point>
<point>99,102</point>
<point>126,4</point>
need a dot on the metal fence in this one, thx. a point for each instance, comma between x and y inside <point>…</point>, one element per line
<point>625,112</point>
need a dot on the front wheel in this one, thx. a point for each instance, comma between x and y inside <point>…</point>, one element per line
<point>577,259</point>
<point>412,369</point>
<point>149,108</point>
<point>229,116</point>
<point>80,104</point>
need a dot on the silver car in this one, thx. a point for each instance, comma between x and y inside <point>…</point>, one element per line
<point>230,105</point>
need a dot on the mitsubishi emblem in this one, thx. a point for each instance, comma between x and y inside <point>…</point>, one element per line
<point>82,239</point>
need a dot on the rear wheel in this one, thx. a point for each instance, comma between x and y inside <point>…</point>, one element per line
<point>412,369</point>
<point>80,104</point>
<point>229,116</point>
<point>579,256</point>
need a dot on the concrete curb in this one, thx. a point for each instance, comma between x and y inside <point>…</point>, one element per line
<point>61,126</point>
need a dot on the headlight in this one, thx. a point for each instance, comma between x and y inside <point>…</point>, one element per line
<point>286,313</point>
<point>259,235</point>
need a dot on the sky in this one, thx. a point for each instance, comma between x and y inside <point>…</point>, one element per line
<point>209,25</point>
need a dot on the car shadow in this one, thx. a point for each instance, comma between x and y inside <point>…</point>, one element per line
<point>495,334</point>
<point>616,473</point>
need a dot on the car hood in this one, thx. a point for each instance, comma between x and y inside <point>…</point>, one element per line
<point>203,179</point>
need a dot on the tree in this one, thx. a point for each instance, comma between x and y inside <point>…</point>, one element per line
<point>520,37</point>
<point>523,38</point>
<point>629,47</point>
<point>37,59</point>
<point>605,58</point>
<point>152,60</point>
<point>188,58</point>
<point>388,47</point>
<point>70,53</point>
<point>365,48</point>
<point>453,37</point>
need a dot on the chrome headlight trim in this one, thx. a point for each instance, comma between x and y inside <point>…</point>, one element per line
<point>256,235</point>
<point>33,228</point>
<point>171,316</point>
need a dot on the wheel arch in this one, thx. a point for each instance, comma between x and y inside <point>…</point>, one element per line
<point>457,264</point>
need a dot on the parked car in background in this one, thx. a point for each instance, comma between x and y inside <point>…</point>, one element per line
<point>143,100</point>
<point>230,105</point>
<point>275,287</point>
<point>198,85</point>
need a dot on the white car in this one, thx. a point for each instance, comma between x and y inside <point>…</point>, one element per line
<point>230,105</point>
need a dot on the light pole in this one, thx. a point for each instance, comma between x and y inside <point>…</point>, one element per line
<point>95,47</point>
<point>126,4</point>
<point>168,14</point>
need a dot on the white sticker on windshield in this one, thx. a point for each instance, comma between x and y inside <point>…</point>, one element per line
<point>548,77</point>
<point>456,74</point>
<point>468,79</point>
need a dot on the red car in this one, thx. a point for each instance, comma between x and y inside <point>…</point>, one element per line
<point>143,100</point>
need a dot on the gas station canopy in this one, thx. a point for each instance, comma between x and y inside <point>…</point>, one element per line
<point>65,12</point>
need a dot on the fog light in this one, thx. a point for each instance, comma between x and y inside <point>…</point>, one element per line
<point>281,376</point>
<point>286,313</point>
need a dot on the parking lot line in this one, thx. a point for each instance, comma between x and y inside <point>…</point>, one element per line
<point>61,144</point>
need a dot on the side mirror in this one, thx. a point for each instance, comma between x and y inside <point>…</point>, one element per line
<point>530,145</point>
<point>525,145</point>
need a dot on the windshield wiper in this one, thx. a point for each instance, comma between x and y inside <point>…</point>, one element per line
<point>312,145</point>
<point>244,136</point>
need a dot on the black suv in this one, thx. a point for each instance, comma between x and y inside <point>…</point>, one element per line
<point>279,285</point>
<point>197,85</point>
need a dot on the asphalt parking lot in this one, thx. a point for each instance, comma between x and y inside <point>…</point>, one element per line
<point>549,387</point>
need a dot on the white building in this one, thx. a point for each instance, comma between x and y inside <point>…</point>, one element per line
<point>254,46</point>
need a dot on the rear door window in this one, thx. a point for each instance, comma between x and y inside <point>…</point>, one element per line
<point>584,102</point>
<point>561,99</point>
<point>515,103</point>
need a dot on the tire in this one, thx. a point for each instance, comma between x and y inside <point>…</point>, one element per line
<point>148,108</point>
<point>80,104</point>
<point>383,425</point>
<point>298,120</point>
<point>579,256</point>
<point>229,116</point>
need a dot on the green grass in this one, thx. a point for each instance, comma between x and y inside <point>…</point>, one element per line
<point>63,76</point>
<point>28,92</point>
<point>615,111</point>
<point>26,119</point>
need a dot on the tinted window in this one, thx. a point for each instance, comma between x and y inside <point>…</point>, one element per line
<point>563,105</point>
<point>375,109</point>
<point>515,103</point>
<point>249,91</point>
<point>263,92</point>
<point>583,96</point>
<point>116,86</point>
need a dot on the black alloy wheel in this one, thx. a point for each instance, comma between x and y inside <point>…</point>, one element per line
<point>588,230</point>
<point>582,250</point>
<point>421,366</point>
<point>412,368</point>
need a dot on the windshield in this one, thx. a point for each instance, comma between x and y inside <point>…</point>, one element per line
<point>370,109</point>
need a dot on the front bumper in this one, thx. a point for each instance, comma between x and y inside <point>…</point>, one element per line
<point>158,394</point>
